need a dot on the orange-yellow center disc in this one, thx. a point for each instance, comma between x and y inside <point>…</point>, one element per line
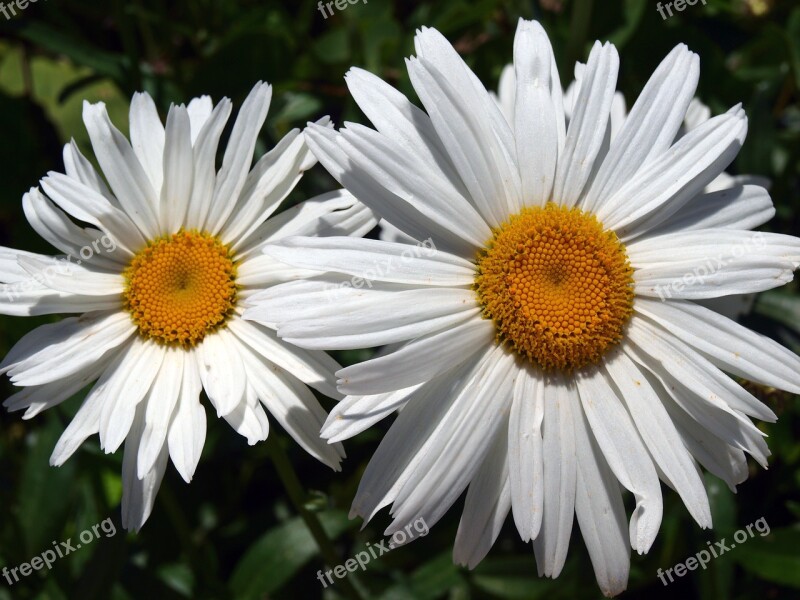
<point>181,288</point>
<point>558,287</point>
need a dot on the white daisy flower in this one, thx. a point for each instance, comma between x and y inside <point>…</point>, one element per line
<point>171,249</point>
<point>529,348</point>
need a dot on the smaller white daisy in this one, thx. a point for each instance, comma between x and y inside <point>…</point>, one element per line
<point>157,256</point>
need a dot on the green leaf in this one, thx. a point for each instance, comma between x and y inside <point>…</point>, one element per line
<point>280,553</point>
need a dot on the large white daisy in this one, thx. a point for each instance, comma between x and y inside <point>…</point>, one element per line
<point>158,257</point>
<point>528,344</point>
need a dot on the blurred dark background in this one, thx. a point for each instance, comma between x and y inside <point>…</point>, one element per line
<point>233,533</point>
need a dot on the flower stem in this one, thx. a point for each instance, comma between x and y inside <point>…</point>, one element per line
<point>298,497</point>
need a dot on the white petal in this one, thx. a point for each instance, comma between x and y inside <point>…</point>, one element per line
<point>470,125</point>
<point>205,170</point>
<point>159,406</point>
<point>222,371</point>
<point>85,204</point>
<point>459,444</point>
<point>325,145</point>
<point>691,393</point>
<point>199,112</point>
<point>525,452</point>
<point>650,127</point>
<point>74,279</point>
<point>660,190</point>
<point>600,512</point>
<point>355,414</point>
<point>38,398</point>
<point>124,172</point>
<point>462,121</point>
<point>61,349</point>
<point>560,473</point>
<point>134,372</point>
<point>396,118</point>
<point>61,232</point>
<point>139,495</point>
<point>178,171</point>
<point>430,193</point>
<point>731,347</point>
<point>335,213</point>
<point>626,455</point>
<point>315,369</point>
<point>660,436</point>
<point>533,113</point>
<point>419,360</point>
<point>587,130</point>
<point>248,419</point>
<point>407,441</point>
<point>374,260</point>
<point>736,207</point>
<point>272,178</point>
<point>293,405</point>
<point>147,137</point>
<point>238,156</point>
<point>187,432</point>
<point>486,506</point>
<point>78,167</point>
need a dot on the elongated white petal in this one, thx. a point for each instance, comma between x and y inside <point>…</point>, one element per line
<point>740,207</point>
<point>335,213</point>
<point>560,475</point>
<point>293,405</point>
<point>659,435</point>
<point>396,118</point>
<point>464,436</point>
<point>681,173</point>
<point>199,110</point>
<point>600,511</point>
<point>74,279</point>
<point>222,371</point>
<point>626,455</point>
<point>129,381</point>
<point>178,171</point>
<point>375,260</point>
<point>586,131</point>
<point>139,494</point>
<point>526,453</point>
<point>187,431</point>
<point>534,114</point>
<point>85,204</point>
<point>205,170</point>
<point>61,349</point>
<point>355,414</point>
<point>651,126</point>
<point>727,344</point>
<point>147,138</point>
<point>159,406</point>
<point>417,361</point>
<point>315,369</point>
<point>486,506</point>
<point>122,169</point>
<point>238,156</point>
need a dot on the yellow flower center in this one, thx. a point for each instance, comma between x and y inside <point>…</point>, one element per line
<point>181,287</point>
<point>558,287</point>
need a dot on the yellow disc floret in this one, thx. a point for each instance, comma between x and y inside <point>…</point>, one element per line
<point>558,287</point>
<point>181,287</point>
